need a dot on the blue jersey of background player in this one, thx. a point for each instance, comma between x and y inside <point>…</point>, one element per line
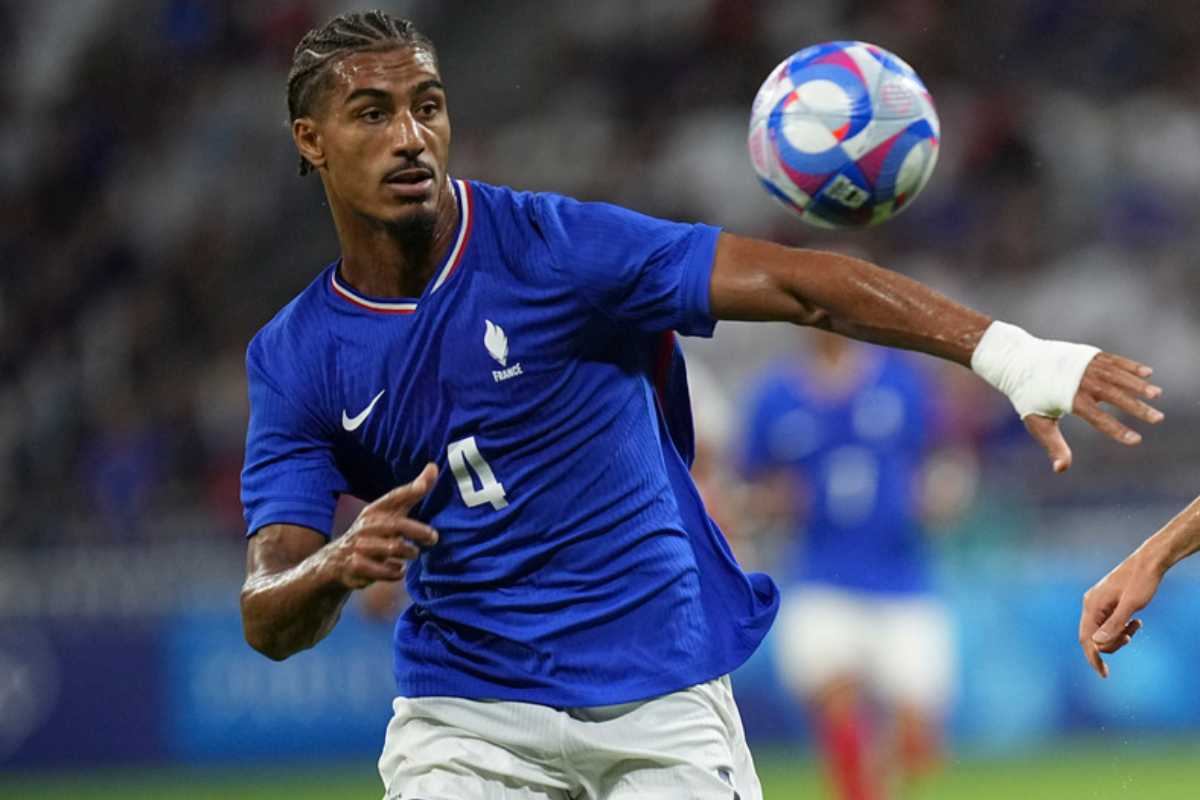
<point>849,429</point>
<point>504,358</point>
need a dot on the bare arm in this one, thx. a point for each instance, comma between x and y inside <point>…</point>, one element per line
<point>1177,540</point>
<point>1106,623</point>
<point>296,583</point>
<point>757,280</point>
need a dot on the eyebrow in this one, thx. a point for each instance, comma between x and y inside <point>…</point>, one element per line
<point>380,94</point>
<point>426,85</point>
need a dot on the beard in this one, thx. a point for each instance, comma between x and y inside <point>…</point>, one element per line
<point>415,233</point>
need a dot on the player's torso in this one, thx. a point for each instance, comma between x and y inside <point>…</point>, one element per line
<point>539,413</point>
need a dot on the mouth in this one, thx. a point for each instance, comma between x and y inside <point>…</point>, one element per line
<point>411,182</point>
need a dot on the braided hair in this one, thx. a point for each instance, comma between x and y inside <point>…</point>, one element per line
<point>322,47</point>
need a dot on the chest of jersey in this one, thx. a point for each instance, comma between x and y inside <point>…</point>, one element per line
<point>499,381</point>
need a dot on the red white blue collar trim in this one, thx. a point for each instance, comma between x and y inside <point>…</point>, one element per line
<point>453,259</point>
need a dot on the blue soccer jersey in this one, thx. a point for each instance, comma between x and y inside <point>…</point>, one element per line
<point>857,455</point>
<point>576,564</point>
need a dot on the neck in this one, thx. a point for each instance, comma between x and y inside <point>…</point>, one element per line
<point>389,260</point>
<point>842,371</point>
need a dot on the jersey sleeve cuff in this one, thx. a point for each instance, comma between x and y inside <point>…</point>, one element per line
<point>702,253</point>
<point>290,512</point>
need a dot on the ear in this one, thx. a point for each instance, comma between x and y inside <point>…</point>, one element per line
<point>308,141</point>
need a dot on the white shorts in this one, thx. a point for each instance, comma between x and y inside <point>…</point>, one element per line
<point>688,744</point>
<point>901,648</point>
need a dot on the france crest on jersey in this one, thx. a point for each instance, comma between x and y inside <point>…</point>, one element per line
<point>576,564</point>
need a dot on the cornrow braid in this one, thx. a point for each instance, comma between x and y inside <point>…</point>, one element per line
<point>322,47</point>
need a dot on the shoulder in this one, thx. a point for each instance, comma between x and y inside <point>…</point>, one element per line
<point>283,343</point>
<point>511,208</point>
<point>507,208</point>
<point>551,216</point>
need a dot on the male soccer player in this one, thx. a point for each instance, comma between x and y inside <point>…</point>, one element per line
<point>1106,624</point>
<point>560,563</point>
<point>843,435</point>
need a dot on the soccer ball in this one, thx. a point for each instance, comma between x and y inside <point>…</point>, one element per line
<point>844,134</point>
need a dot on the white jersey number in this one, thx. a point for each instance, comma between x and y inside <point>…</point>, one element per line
<point>852,484</point>
<point>465,458</point>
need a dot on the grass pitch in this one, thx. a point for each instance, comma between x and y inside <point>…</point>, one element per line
<point>1081,772</point>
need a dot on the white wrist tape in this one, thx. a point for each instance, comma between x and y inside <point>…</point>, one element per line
<point>1039,376</point>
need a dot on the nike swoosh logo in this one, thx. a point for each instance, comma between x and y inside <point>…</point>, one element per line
<point>352,423</point>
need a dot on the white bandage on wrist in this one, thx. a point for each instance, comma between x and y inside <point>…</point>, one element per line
<point>1039,376</point>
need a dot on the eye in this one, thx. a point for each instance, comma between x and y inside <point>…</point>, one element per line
<point>429,108</point>
<point>372,115</point>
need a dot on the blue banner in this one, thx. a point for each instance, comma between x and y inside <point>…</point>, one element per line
<point>225,701</point>
<point>188,688</point>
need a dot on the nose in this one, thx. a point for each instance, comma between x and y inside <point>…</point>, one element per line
<point>407,139</point>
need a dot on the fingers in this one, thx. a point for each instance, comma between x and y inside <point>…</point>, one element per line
<point>1049,436</point>
<point>1092,654</point>
<point>1123,363</point>
<point>403,498</point>
<point>1119,621</point>
<point>1086,409</point>
<point>1098,605</point>
<point>414,530</point>
<point>1122,390</point>
<point>1119,382</point>
<point>383,549</point>
<point>384,538</point>
<point>1123,379</point>
<point>1124,637</point>
<point>1105,623</point>
<point>388,525</point>
<point>379,550</point>
<point>362,570</point>
<point>1092,650</point>
<point>1129,404</point>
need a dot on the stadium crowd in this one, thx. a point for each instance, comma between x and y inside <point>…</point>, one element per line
<point>153,217</point>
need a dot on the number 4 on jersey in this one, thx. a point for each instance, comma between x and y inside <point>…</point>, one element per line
<point>465,458</point>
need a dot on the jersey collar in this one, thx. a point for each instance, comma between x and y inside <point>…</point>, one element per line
<point>449,265</point>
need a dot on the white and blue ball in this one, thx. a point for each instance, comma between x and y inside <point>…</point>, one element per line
<point>845,134</point>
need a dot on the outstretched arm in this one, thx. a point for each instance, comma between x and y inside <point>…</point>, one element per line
<point>296,583</point>
<point>757,280</point>
<point>1106,624</point>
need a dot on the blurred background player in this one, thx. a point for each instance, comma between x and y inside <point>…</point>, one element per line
<point>835,445</point>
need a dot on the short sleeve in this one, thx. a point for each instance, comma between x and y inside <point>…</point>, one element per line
<point>290,475</point>
<point>632,268</point>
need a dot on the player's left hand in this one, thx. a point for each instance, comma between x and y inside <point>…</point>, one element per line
<point>1111,379</point>
<point>1106,624</point>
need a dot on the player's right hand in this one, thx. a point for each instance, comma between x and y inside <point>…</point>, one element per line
<point>1106,624</point>
<point>383,539</point>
